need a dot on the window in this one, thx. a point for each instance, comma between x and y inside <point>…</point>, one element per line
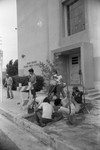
<point>75,60</point>
<point>75,14</point>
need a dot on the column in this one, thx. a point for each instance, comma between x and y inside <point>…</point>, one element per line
<point>1,56</point>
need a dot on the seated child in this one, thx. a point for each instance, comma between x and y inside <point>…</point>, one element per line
<point>65,109</point>
<point>77,95</point>
<point>45,116</point>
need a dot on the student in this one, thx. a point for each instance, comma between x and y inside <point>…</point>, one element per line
<point>57,85</point>
<point>9,83</point>
<point>60,85</point>
<point>75,107</point>
<point>44,112</point>
<point>77,95</point>
<point>32,80</point>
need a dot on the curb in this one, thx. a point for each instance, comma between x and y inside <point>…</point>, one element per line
<point>38,132</point>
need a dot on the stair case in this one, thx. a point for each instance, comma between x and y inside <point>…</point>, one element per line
<point>92,94</point>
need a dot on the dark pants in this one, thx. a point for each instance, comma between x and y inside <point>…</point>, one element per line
<point>41,121</point>
<point>9,91</point>
<point>33,91</point>
<point>60,89</point>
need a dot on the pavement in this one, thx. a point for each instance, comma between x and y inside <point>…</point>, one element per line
<point>82,134</point>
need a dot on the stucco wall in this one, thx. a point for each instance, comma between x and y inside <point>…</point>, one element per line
<point>87,65</point>
<point>40,31</point>
<point>94,29</point>
<point>32,31</point>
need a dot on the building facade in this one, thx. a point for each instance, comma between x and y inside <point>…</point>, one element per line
<point>66,30</point>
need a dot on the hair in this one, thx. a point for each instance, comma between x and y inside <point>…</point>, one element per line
<point>57,102</point>
<point>55,71</point>
<point>76,88</point>
<point>31,70</point>
<point>46,100</point>
<point>7,75</point>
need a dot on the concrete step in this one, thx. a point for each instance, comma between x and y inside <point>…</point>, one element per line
<point>93,94</point>
<point>92,90</point>
<point>96,97</point>
<point>92,98</point>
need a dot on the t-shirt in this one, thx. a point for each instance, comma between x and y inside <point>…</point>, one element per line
<point>58,78</point>
<point>32,79</point>
<point>78,96</point>
<point>47,110</point>
<point>9,81</point>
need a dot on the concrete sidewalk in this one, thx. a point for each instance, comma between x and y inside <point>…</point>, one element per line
<point>85,135</point>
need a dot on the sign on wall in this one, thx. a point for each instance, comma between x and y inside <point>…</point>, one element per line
<point>30,64</point>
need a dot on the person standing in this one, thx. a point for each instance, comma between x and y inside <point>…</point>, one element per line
<point>77,95</point>
<point>59,84</point>
<point>32,89</point>
<point>9,83</point>
<point>32,81</point>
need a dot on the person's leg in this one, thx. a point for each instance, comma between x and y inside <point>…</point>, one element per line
<point>57,115</point>
<point>64,110</point>
<point>77,107</point>
<point>58,88</point>
<point>33,91</point>
<point>38,116</point>
<point>46,121</point>
<point>10,91</point>
<point>8,95</point>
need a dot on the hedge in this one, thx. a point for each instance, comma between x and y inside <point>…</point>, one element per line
<point>24,81</point>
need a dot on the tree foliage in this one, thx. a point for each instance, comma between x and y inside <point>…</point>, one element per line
<point>48,68</point>
<point>12,68</point>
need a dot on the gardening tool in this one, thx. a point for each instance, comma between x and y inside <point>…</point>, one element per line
<point>82,82</point>
<point>68,97</point>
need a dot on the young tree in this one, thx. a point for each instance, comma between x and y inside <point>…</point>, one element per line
<point>47,69</point>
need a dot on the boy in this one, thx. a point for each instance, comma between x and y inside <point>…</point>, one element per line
<point>9,83</point>
<point>45,116</point>
<point>77,95</point>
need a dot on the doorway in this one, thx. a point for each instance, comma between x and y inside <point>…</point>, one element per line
<point>74,67</point>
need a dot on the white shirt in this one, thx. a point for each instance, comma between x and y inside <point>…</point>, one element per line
<point>58,78</point>
<point>47,110</point>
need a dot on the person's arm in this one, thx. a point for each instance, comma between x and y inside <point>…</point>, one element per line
<point>11,80</point>
<point>5,83</point>
<point>40,106</point>
<point>74,102</point>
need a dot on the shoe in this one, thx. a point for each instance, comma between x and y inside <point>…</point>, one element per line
<point>11,98</point>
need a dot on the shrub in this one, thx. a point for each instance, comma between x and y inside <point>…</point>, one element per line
<point>17,80</point>
<point>24,81</point>
<point>47,69</point>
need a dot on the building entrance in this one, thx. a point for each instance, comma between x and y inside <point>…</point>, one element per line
<point>74,67</point>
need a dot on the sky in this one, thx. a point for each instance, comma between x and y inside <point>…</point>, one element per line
<point>8,34</point>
